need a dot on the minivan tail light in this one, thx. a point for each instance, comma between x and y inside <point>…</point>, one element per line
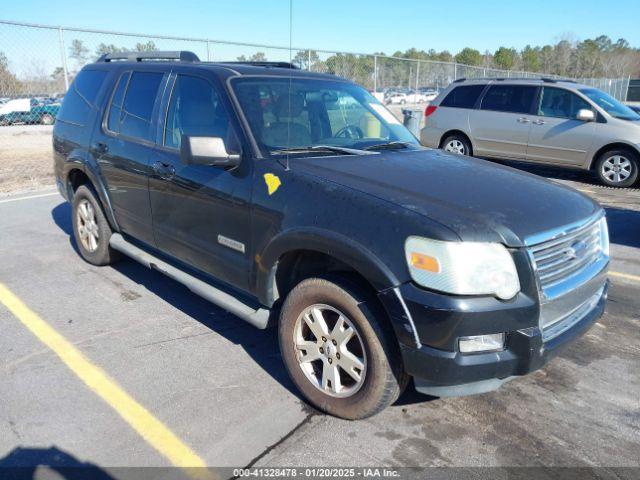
<point>429,110</point>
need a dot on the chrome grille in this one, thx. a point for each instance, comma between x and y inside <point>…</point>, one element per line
<point>560,258</point>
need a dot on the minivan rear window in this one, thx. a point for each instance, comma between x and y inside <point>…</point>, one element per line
<point>509,98</point>
<point>463,97</point>
<point>81,97</point>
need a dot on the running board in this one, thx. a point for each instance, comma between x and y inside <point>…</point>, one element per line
<point>258,318</point>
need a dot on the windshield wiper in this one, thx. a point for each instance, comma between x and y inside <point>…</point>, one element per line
<point>319,148</point>
<point>388,146</point>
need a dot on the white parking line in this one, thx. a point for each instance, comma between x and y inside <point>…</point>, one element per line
<point>9,200</point>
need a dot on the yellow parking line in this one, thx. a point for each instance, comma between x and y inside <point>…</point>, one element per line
<point>138,417</point>
<point>628,276</point>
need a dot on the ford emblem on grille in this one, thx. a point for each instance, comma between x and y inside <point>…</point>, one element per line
<point>576,249</point>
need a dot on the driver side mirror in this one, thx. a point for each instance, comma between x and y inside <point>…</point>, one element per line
<point>207,151</point>
<point>586,115</point>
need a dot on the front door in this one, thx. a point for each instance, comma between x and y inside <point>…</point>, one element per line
<point>556,135</point>
<point>123,146</point>
<point>500,127</point>
<point>201,212</point>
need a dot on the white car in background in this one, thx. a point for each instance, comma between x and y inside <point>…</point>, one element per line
<point>416,97</point>
<point>396,98</point>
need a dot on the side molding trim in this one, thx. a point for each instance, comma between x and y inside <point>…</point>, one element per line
<point>258,318</point>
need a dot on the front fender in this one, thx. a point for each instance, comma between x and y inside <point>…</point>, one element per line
<point>348,251</point>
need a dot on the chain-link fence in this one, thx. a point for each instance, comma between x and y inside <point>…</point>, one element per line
<point>40,61</point>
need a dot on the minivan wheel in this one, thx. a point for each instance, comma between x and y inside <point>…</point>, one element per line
<point>91,229</point>
<point>336,349</point>
<point>618,168</point>
<point>456,144</point>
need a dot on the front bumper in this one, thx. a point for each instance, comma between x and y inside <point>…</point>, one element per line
<point>440,370</point>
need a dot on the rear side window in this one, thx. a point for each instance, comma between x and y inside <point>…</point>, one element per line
<point>509,98</point>
<point>132,104</point>
<point>463,97</point>
<point>81,97</point>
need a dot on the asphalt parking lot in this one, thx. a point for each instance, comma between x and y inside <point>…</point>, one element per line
<point>217,389</point>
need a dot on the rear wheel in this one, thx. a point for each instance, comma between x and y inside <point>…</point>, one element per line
<point>456,143</point>
<point>336,349</point>
<point>618,168</point>
<point>91,229</point>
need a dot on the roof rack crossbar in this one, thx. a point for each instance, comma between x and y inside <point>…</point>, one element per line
<point>180,55</point>
<point>502,79</point>
<point>263,64</point>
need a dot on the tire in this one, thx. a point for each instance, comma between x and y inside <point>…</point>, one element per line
<point>618,168</point>
<point>381,378</point>
<point>4,122</point>
<point>47,119</point>
<point>456,143</point>
<point>91,229</point>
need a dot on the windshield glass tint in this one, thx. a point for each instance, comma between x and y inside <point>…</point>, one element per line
<point>609,104</point>
<point>295,113</point>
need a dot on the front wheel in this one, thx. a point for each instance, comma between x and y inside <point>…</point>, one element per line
<point>336,349</point>
<point>618,168</point>
<point>456,144</point>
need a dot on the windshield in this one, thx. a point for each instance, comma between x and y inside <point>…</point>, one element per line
<point>295,113</point>
<point>609,104</point>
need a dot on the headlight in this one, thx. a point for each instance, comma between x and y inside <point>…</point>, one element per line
<point>462,268</point>
<point>604,236</point>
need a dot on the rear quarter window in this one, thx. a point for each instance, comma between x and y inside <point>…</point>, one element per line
<point>464,96</point>
<point>81,97</point>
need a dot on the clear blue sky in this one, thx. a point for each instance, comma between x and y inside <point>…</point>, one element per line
<point>351,25</point>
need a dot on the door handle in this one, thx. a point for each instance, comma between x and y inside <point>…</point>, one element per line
<point>100,147</point>
<point>164,170</point>
<point>523,120</point>
<point>539,122</point>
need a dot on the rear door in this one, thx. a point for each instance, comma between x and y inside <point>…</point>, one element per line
<point>556,135</point>
<point>500,127</point>
<point>123,147</point>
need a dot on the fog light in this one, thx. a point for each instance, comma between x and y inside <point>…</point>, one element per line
<point>482,343</point>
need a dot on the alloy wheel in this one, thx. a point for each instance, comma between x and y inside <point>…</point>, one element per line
<point>455,146</point>
<point>330,350</point>
<point>616,169</point>
<point>87,226</point>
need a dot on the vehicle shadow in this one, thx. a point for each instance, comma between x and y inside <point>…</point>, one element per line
<point>260,345</point>
<point>21,463</point>
<point>557,173</point>
<point>624,226</point>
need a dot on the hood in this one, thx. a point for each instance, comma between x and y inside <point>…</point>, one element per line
<point>477,199</point>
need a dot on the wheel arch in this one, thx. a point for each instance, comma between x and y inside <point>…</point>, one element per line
<point>295,255</point>
<point>79,172</point>
<point>613,146</point>
<point>455,132</point>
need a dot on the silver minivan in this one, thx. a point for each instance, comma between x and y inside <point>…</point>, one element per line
<point>545,121</point>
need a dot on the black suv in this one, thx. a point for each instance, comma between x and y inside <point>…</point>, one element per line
<point>296,196</point>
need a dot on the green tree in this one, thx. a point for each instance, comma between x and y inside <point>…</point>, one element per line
<point>150,46</point>
<point>469,56</point>
<point>78,52</point>
<point>505,58</point>
<point>306,59</point>
<point>530,60</point>
<point>9,83</point>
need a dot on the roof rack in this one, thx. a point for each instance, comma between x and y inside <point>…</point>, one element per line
<point>182,56</point>
<point>264,64</point>
<point>502,79</point>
